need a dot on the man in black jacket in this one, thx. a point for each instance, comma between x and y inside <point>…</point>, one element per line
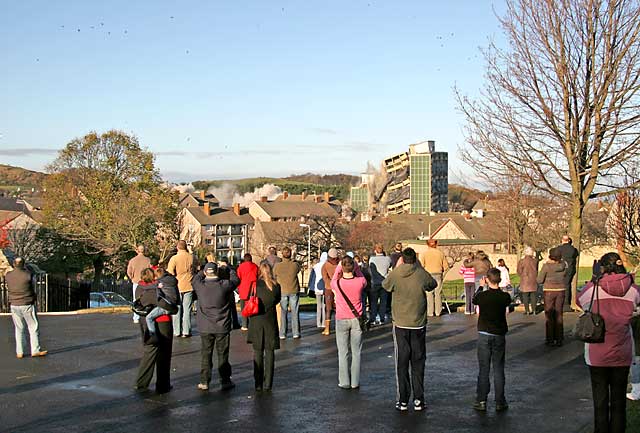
<point>22,298</point>
<point>214,322</point>
<point>569,255</point>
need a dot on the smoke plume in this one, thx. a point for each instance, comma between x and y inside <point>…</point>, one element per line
<point>228,194</point>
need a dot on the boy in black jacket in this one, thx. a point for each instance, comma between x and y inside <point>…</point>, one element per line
<point>492,328</point>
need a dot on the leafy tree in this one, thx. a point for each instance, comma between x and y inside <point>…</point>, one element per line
<point>560,106</point>
<point>105,192</point>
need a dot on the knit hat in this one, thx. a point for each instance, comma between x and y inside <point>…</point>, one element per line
<point>211,270</point>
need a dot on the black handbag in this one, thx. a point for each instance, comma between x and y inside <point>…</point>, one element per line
<point>363,320</point>
<point>590,326</point>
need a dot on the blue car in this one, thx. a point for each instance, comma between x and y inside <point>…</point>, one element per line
<point>107,299</point>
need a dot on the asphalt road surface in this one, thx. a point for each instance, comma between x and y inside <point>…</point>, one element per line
<point>85,384</point>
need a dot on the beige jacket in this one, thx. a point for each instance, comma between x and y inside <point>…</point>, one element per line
<point>434,261</point>
<point>181,266</point>
<point>135,267</point>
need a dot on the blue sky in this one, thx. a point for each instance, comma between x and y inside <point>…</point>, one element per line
<point>228,89</point>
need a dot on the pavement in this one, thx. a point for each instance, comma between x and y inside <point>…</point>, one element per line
<point>85,384</point>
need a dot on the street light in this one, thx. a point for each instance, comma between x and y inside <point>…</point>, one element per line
<point>308,246</point>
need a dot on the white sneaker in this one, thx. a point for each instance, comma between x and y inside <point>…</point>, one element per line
<point>136,321</point>
<point>635,392</point>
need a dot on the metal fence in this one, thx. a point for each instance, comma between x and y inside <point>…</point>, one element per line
<point>53,294</point>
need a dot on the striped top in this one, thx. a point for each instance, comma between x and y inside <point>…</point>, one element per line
<point>468,274</point>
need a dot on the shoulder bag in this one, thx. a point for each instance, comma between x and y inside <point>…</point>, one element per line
<point>362,319</point>
<point>251,305</point>
<point>590,326</point>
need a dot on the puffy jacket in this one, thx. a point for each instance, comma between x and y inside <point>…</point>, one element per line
<point>617,298</point>
<point>168,288</point>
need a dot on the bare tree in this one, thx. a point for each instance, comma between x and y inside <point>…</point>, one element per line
<point>32,242</point>
<point>625,224</point>
<point>560,104</point>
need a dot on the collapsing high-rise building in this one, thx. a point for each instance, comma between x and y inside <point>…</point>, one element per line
<point>416,182</point>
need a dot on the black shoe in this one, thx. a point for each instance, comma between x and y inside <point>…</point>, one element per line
<point>500,407</point>
<point>549,343</point>
<point>227,386</point>
<point>558,343</point>
<point>402,407</point>
<point>480,406</point>
<point>258,389</point>
<point>164,391</point>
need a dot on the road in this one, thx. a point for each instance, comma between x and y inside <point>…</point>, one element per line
<point>85,384</point>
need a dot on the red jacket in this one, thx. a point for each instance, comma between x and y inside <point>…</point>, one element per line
<point>248,274</point>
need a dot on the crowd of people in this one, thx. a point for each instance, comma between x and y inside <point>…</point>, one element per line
<point>404,288</point>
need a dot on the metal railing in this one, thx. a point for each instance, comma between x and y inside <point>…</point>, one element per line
<point>53,294</point>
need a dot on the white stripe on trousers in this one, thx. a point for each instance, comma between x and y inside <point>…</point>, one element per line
<point>395,354</point>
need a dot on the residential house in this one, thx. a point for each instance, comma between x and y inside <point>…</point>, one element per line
<point>291,210</point>
<point>198,198</point>
<point>224,231</point>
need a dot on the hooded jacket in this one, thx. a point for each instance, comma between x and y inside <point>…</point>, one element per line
<point>408,283</point>
<point>617,298</point>
<point>318,285</point>
<point>248,274</point>
<point>214,303</point>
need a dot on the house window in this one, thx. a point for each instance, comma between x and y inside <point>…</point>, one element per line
<point>209,241</point>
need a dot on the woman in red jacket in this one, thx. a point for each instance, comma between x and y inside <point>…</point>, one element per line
<point>247,272</point>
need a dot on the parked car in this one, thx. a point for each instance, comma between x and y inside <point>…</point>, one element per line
<point>107,299</point>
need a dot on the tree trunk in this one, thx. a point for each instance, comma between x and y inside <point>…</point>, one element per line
<point>98,267</point>
<point>575,231</point>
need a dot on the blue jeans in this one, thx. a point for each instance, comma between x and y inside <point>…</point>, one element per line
<point>292,300</point>
<point>152,316</point>
<point>349,342</point>
<point>135,316</point>
<point>491,351</point>
<point>635,370</point>
<point>182,319</point>
<point>377,302</point>
<point>25,315</point>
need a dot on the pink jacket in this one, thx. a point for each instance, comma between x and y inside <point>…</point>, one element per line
<point>351,287</point>
<point>468,274</point>
<point>618,297</point>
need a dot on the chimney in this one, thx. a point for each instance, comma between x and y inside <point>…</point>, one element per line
<point>236,208</point>
<point>203,193</point>
<point>264,199</point>
<point>206,208</point>
<point>304,195</point>
<point>285,195</point>
<point>327,196</point>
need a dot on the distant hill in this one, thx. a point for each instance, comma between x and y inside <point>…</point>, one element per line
<point>326,179</point>
<point>17,177</point>
<point>338,185</point>
<point>465,197</point>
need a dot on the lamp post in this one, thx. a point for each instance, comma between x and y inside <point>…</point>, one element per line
<point>308,244</point>
<point>308,249</point>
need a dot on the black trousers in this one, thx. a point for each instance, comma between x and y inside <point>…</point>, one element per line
<point>156,356</point>
<point>221,343</point>
<point>411,351</point>
<point>609,387</point>
<point>568,279</point>
<point>263,366</point>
